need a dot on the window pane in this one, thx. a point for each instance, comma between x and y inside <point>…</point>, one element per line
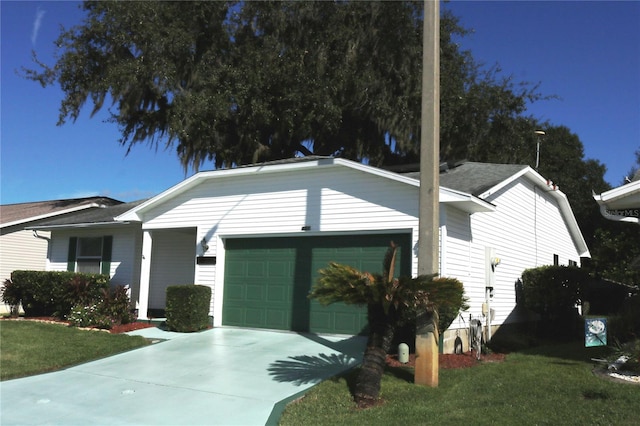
<point>90,247</point>
<point>89,266</point>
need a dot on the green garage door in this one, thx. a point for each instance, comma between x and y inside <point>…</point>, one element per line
<point>267,280</point>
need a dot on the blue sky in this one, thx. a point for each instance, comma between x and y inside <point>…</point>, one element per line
<point>586,53</point>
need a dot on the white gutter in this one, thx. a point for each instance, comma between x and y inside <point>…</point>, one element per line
<point>466,202</point>
<point>75,225</point>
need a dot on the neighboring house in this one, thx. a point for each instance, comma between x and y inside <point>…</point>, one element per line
<point>621,204</point>
<point>258,234</point>
<point>22,249</point>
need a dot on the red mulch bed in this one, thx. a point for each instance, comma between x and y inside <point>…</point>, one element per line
<point>447,361</point>
<point>116,329</point>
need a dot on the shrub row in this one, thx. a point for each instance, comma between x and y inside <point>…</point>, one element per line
<point>553,291</point>
<point>625,325</point>
<point>86,300</point>
<point>46,293</point>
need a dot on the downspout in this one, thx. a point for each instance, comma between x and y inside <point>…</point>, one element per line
<point>48,240</point>
<point>35,234</point>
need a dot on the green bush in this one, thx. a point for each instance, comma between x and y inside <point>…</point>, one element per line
<point>552,292</point>
<point>111,308</point>
<point>55,293</point>
<point>11,296</point>
<point>89,315</point>
<point>188,307</point>
<point>625,325</point>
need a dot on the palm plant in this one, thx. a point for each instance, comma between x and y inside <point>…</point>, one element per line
<point>391,303</point>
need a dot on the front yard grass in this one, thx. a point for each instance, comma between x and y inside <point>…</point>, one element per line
<point>548,385</point>
<point>28,347</point>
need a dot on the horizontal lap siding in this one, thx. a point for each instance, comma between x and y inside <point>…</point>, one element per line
<point>20,250</point>
<point>172,263</point>
<point>525,230</point>
<point>125,267</point>
<point>343,200</point>
<point>465,261</point>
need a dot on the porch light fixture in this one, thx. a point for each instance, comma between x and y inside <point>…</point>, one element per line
<point>204,245</point>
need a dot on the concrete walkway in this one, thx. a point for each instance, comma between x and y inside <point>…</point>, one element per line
<point>223,376</point>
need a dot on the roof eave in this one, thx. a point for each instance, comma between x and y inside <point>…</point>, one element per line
<point>52,214</point>
<point>77,225</point>
<point>563,202</point>
<point>465,202</point>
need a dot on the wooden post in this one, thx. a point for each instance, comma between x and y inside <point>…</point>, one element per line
<point>427,363</point>
<point>426,371</point>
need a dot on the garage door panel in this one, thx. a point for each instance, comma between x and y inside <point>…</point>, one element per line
<point>277,319</point>
<point>254,316</point>
<point>278,294</point>
<point>234,316</point>
<point>277,274</point>
<point>278,269</point>
<point>256,268</point>
<point>255,293</point>
<point>235,293</point>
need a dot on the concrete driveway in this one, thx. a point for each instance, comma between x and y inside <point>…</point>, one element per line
<point>223,376</point>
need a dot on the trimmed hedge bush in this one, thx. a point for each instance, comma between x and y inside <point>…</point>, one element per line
<point>552,292</point>
<point>625,325</point>
<point>188,307</point>
<point>46,293</point>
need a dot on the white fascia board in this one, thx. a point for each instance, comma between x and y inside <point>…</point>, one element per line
<point>574,229</point>
<point>507,181</point>
<point>561,198</point>
<point>134,214</point>
<point>462,200</point>
<point>465,202</point>
<point>52,214</point>
<point>626,197</point>
<point>377,172</point>
<point>623,197</point>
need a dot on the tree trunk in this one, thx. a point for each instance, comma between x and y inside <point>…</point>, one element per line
<point>381,331</point>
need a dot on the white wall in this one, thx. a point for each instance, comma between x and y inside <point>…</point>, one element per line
<point>526,230</point>
<point>125,267</point>
<point>342,201</point>
<point>172,263</point>
<point>20,250</point>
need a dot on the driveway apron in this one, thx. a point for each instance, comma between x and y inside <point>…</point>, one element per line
<point>222,376</point>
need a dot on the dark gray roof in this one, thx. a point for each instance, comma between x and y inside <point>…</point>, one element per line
<point>25,212</point>
<point>474,178</point>
<point>97,215</point>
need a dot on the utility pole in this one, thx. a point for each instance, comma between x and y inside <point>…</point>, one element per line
<point>427,339</point>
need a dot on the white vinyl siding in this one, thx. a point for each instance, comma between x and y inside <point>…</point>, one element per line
<point>343,201</point>
<point>526,230</point>
<point>172,263</point>
<point>20,250</point>
<point>125,268</point>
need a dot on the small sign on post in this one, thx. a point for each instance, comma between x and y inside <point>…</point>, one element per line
<point>595,332</point>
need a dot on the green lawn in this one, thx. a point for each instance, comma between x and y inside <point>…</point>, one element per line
<point>551,385</point>
<point>28,347</point>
